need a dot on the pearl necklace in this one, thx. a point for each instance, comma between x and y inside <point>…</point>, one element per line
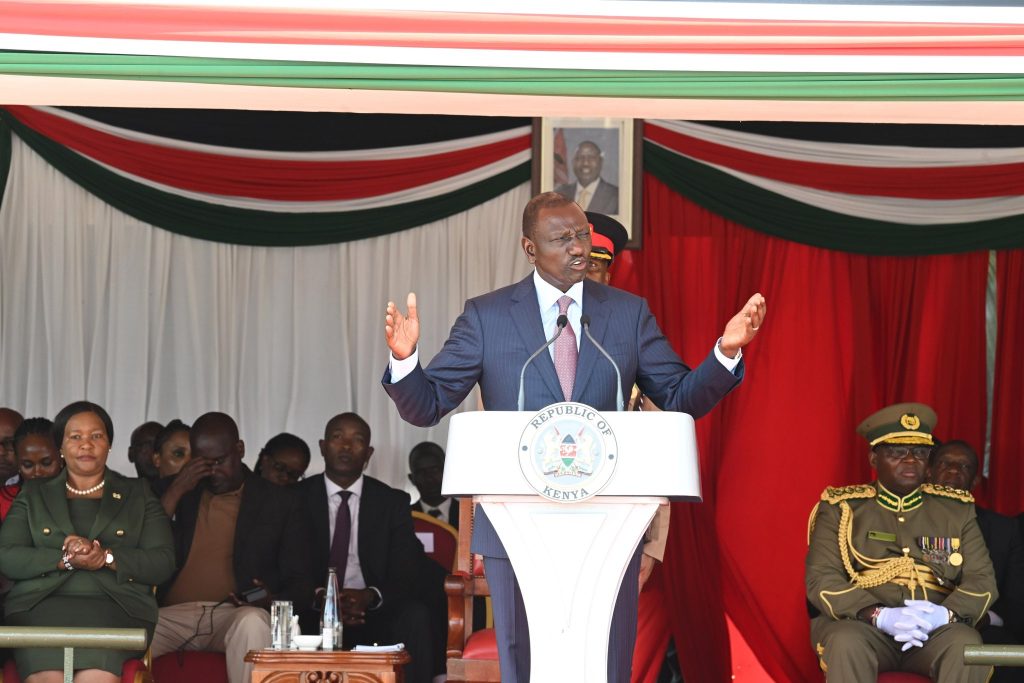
<point>84,492</point>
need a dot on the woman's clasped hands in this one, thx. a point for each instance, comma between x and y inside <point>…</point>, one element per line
<point>83,553</point>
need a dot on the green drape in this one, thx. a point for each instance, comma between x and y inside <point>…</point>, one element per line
<point>774,214</point>
<point>524,81</point>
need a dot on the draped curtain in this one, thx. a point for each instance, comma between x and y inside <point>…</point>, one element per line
<point>108,292</point>
<point>846,334</point>
<point>1006,471</point>
<point>155,325</point>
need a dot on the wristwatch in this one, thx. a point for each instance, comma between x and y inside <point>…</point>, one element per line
<point>108,558</point>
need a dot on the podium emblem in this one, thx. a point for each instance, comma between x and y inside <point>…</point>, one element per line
<point>568,452</point>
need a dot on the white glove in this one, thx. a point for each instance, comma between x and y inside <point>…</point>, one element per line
<point>904,625</point>
<point>935,615</point>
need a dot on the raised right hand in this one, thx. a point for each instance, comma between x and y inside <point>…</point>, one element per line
<point>402,332</point>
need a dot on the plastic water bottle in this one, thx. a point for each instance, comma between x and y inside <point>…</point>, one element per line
<point>330,618</point>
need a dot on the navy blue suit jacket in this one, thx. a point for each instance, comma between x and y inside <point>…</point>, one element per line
<point>498,331</point>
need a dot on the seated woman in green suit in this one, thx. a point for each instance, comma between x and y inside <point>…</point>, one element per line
<point>84,548</point>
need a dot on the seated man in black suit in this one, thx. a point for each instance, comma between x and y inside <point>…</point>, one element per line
<point>362,528</point>
<point>233,532</point>
<point>426,467</point>
<point>955,464</point>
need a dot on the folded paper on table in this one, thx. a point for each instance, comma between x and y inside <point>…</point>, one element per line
<point>397,647</point>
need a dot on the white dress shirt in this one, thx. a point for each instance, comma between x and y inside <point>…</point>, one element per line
<point>353,571</point>
<point>547,304</point>
<point>547,300</point>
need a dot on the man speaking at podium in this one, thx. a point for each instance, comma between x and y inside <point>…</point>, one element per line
<point>496,334</point>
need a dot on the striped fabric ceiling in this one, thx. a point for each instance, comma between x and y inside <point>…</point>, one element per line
<point>523,53</point>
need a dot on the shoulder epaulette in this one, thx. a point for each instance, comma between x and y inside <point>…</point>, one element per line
<point>833,495</point>
<point>947,492</point>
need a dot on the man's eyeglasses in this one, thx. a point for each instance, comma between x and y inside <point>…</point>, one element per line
<point>898,453</point>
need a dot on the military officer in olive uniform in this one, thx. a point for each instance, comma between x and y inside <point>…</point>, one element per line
<point>897,569</point>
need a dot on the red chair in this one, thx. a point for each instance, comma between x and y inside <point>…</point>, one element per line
<point>471,656</point>
<point>194,666</point>
<point>445,538</point>
<point>900,677</point>
<point>134,671</point>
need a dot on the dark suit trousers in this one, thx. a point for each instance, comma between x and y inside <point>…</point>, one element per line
<point>513,632</point>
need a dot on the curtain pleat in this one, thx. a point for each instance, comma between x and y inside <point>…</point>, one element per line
<point>1006,461</point>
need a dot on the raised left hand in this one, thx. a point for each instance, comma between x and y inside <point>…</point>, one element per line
<point>743,326</point>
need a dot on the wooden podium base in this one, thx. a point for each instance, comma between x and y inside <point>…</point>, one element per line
<point>298,666</point>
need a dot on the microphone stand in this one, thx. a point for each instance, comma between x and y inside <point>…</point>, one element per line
<point>585,322</point>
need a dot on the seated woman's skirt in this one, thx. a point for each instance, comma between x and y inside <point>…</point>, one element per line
<point>78,611</point>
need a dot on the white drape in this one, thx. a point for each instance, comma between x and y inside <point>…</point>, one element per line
<point>152,325</point>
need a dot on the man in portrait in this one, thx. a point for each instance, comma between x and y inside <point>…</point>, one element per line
<point>590,191</point>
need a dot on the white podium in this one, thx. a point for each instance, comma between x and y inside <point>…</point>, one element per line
<point>569,554</point>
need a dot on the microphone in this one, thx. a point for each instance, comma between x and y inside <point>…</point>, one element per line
<point>562,321</point>
<point>585,322</point>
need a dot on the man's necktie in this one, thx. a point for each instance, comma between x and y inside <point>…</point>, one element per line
<point>566,352</point>
<point>435,513</point>
<point>584,199</point>
<point>342,534</point>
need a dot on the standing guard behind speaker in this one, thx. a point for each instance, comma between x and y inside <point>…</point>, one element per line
<point>495,336</point>
<point>897,569</point>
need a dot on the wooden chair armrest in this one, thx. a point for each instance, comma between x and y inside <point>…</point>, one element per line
<point>460,613</point>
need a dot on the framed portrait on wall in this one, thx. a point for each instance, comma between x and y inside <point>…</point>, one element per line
<point>596,162</point>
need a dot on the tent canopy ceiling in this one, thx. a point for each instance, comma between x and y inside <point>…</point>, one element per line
<point>956,62</point>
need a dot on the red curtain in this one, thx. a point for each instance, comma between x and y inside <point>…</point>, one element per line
<point>652,630</point>
<point>845,335</point>
<point>1006,472</point>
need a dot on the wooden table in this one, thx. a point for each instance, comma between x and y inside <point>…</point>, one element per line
<point>314,666</point>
